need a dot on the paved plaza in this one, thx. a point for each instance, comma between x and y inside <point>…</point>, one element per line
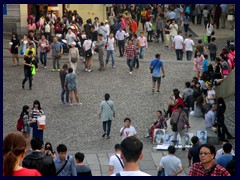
<point>78,126</point>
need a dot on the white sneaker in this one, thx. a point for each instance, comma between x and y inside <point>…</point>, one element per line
<point>86,70</point>
<point>79,104</point>
<point>130,72</point>
<point>89,70</point>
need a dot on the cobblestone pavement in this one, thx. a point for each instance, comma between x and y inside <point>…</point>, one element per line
<point>78,126</point>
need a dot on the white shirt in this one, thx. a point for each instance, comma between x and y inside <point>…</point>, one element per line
<point>189,44</point>
<point>87,44</point>
<point>114,161</point>
<point>148,26</point>
<point>70,38</point>
<point>178,40</point>
<point>209,30</point>
<point>108,29</point>
<point>132,173</point>
<point>210,93</point>
<point>110,43</point>
<point>174,29</point>
<point>120,35</point>
<point>131,131</point>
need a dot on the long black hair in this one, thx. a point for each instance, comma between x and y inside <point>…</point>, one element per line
<point>24,110</point>
<point>38,103</point>
<point>221,101</point>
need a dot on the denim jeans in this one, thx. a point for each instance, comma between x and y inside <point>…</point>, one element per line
<point>142,52</point>
<point>136,62</point>
<point>110,53</point>
<point>43,56</point>
<point>189,55</point>
<point>107,127</point>
<point>213,56</point>
<point>160,33</point>
<point>56,60</point>
<point>179,54</point>
<point>67,95</point>
<point>130,64</point>
<point>121,47</point>
<point>28,75</point>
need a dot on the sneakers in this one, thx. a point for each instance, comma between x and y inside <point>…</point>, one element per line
<point>104,135</point>
<point>114,67</point>
<point>89,70</point>
<point>53,70</point>
<point>44,67</point>
<point>79,104</point>
<point>147,136</point>
<point>108,137</point>
<point>130,72</point>
<point>158,91</point>
<point>86,70</point>
<point>58,70</point>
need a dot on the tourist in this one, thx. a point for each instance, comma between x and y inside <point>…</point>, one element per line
<point>127,130</point>
<point>115,161</point>
<point>81,168</point>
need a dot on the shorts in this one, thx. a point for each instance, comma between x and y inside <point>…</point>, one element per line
<point>158,79</point>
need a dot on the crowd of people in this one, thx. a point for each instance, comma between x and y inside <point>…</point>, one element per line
<point>120,30</point>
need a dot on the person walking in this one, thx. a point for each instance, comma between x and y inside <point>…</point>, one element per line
<point>15,43</point>
<point>193,156</point>
<point>178,45</point>
<point>198,59</point>
<point>57,51</point>
<point>63,72</point>
<point>130,53</point>
<point>171,164</point>
<point>167,34</point>
<point>186,21</point>
<point>143,45</point>
<point>106,113</point>
<point>156,66</point>
<point>160,28</point>
<point>179,122</point>
<point>209,30</point>
<point>137,44</point>
<point>120,36</point>
<point>73,57</point>
<point>87,47</point>
<point>111,49</point>
<point>81,168</point>
<point>189,44</point>
<point>44,46</point>
<point>212,47</point>
<point>28,69</point>
<point>100,45</point>
<point>70,84</point>
<point>115,161</point>
<point>14,150</point>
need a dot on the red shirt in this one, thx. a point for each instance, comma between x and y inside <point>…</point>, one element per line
<point>180,101</point>
<point>26,172</point>
<point>197,169</point>
<point>134,26</point>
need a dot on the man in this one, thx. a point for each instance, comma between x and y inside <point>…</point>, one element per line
<point>210,117</point>
<point>130,53</point>
<point>189,44</point>
<point>127,130</point>
<point>65,164</point>
<point>131,154</point>
<point>103,30</point>
<point>224,14</point>
<point>202,138</point>
<point>81,168</point>
<point>137,44</point>
<point>38,160</point>
<point>57,51</point>
<point>156,66</point>
<point>159,28</point>
<point>179,117</point>
<point>70,37</point>
<point>120,36</point>
<point>188,95</point>
<point>226,157</point>
<point>220,152</point>
<point>207,166</point>
<point>28,69</point>
<point>115,162</point>
<point>63,72</point>
<point>106,113</point>
<point>212,47</point>
<point>178,45</point>
<point>171,164</point>
<point>111,48</point>
<point>171,15</point>
<point>100,45</point>
<point>193,156</point>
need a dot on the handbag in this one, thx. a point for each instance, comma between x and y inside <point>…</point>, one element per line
<point>74,59</point>
<point>161,173</point>
<point>230,17</point>
<point>151,68</point>
<point>89,52</point>
<point>41,122</point>
<point>174,125</point>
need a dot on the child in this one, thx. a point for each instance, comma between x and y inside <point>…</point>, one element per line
<point>205,64</point>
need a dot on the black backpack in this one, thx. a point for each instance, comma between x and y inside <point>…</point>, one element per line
<point>231,166</point>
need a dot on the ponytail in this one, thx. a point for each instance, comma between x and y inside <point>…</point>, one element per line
<point>9,163</point>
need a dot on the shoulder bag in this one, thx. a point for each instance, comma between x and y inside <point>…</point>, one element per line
<point>151,68</point>
<point>111,109</point>
<point>120,161</point>
<point>74,59</point>
<point>60,170</point>
<point>89,52</point>
<point>174,125</point>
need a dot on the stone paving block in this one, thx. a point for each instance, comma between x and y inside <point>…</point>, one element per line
<point>96,173</point>
<point>104,170</point>
<point>147,165</point>
<point>94,167</point>
<point>151,172</point>
<point>103,159</point>
<point>147,156</point>
<point>156,156</point>
<point>91,158</point>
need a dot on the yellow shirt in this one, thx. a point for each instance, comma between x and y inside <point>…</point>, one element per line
<point>33,50</point>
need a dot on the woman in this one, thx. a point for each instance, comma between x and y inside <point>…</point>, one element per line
<point>106,113</point>
<point>143,17</point>
<point>198,59</point>
<point>41,24</point>
<point>222,129</point>
<point>209,30</point>
<point>87,46</point>
<point>73,57</point>
<point>149,30</point>
<point>167,34</point>
<point>25,115</point>
<point>14,150</point>
<point>31,26</point>
<point>186,21</point>
<point>198,107</point>
<point>15,43</point>
<point>49,150</point>
<point>24,42</point>
<point>36,112</point>
<point>70,84</point>
<point>44,49</point>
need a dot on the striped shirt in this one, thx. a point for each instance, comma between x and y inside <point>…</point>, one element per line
<point>35,114</point>
<point>130,51</point>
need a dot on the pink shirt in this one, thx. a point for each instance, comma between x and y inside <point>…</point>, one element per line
<point>31,27</point>
<point>143,41</point>
<point>123,23</point>
<point>198,63</point>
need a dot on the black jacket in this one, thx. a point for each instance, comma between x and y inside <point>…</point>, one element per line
<point>38,160</point>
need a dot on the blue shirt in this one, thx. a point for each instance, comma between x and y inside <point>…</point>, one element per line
<point>69,169</point>
<point>224,160</point>
<point>205,65</point>
<point>156,70</point>
<point>224,8</point>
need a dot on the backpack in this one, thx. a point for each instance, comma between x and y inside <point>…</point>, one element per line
<point>58,28</point>
<point>47,28</point>
<point>20,124</point>
<point>231,166</point>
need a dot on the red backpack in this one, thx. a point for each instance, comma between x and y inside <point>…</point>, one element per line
<point>20,124</point>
